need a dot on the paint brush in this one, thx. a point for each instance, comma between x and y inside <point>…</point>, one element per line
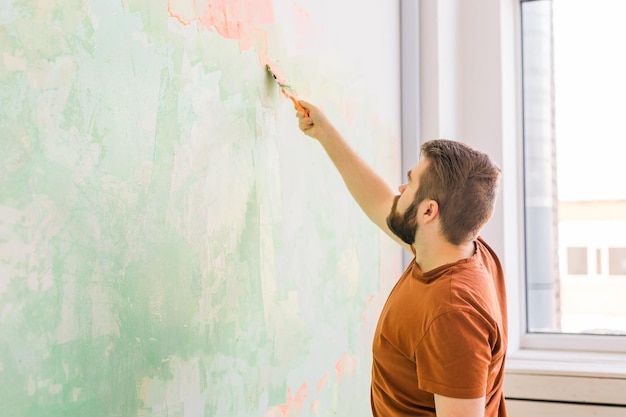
<point>285,88</point>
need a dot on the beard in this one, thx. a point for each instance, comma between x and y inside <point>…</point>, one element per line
<point>403,225</point>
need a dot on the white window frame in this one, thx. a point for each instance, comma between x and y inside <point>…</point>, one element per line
<point>476,96</point>
<point>561,342</point>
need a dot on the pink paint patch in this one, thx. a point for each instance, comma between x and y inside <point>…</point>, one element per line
<point>243,20</point>
<point>346,365</point>
<point>293,406</point>
<point>321,382</point>
<point>315,405</point>
<point>307,30</point>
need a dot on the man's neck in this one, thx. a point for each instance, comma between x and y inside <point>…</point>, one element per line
<point>438,252</point>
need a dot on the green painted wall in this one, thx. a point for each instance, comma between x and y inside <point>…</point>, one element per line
<point>170,243</point>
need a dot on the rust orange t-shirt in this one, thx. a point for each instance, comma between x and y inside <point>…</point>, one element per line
<point>442,332</point>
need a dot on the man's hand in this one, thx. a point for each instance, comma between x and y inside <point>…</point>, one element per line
<point>315,124</point>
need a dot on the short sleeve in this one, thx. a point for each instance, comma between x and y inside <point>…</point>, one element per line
<point>454,356</point>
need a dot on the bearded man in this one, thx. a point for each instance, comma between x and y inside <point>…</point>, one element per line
<point>440,344</point>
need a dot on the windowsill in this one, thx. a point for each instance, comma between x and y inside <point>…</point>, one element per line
<point>566,377</point>
<point>567,363</point>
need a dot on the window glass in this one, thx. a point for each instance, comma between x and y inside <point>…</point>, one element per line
<point>574,89</point>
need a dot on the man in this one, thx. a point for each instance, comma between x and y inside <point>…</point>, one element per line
<point>440,343</point>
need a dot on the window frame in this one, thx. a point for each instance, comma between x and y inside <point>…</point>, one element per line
<point>547,373</point>
<point>548,341</point>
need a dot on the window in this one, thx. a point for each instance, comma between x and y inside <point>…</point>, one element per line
<point>577,261</point>
<point>574,102</point>
<point>617,261</point>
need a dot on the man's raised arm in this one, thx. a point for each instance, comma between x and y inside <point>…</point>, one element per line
<point>370,191</point>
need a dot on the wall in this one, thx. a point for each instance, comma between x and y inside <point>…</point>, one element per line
<point>170,243</point>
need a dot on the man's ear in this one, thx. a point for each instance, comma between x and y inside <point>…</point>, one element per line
<point>430,210</point>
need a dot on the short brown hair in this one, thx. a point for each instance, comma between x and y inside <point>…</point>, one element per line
<point>463,182</point>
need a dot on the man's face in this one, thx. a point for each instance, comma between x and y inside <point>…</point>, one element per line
<point>402,219</point>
